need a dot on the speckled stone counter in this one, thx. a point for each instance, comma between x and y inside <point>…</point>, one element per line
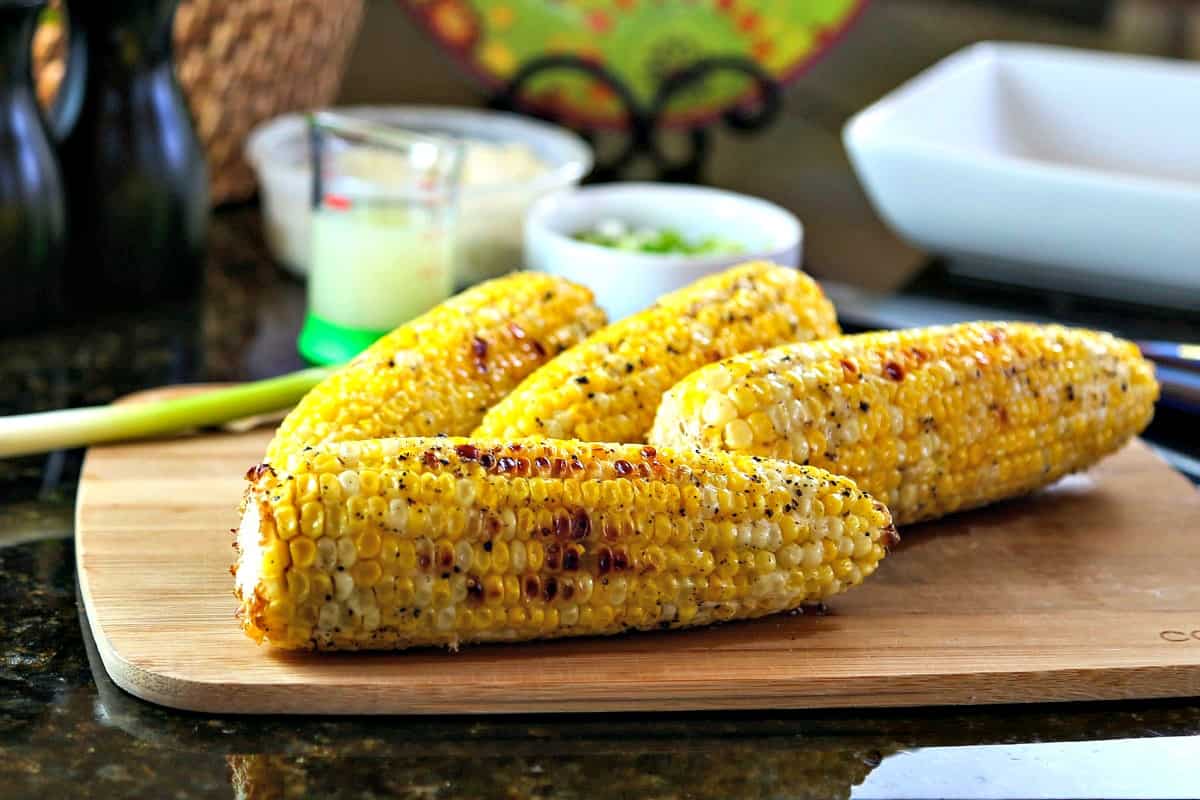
<point>67,731</point>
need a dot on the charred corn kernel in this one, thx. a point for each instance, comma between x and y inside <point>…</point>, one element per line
<point>929,421</point>
<point>606,388</point>
<point>440,372</point>
<point>569,569</point>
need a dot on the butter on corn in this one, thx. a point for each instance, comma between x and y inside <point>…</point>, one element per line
<point>607,388</point>
<point>929,421</point>
<point>394,543</point>
<point>440,372</point>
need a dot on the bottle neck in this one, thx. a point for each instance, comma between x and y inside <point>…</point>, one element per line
<point>18,21</point>
<point>127,33</point>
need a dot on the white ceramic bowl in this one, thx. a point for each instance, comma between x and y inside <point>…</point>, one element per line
<point>1045,165</point>
<point>490,215</point>
<point>625,282</point>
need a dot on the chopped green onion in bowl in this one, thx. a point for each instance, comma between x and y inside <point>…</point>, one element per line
<point>618,235</point>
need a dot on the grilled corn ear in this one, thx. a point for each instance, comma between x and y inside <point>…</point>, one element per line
<point>929,421</point>
<point>607,388</point>
<point>393,543</point>
<point>440,372</point>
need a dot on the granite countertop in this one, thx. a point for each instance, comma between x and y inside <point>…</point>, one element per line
<point>67,731</point>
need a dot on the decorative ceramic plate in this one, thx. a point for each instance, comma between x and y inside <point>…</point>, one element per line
<point>638,43</point>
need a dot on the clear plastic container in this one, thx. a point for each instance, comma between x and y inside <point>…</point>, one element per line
<point>383,232</point>
<point>492,206</point>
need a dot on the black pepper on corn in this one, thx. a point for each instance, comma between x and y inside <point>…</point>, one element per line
<point>393,543</point>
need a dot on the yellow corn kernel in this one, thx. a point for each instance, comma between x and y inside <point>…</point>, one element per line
<point>493,590</point>
<point>405,591</point>
<point>499,557</point>
<point>312,520</point>
<point>366,573</point>
<point>534,555</point>
<point>367,544</point>
<point>275,558</point>
<point>512,590</point>
<point>303,551</point>
<point>285,522</point>
<point>308,488</point>
<point>298,585</point>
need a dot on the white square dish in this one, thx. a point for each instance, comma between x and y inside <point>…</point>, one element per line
<point>1045,165</point>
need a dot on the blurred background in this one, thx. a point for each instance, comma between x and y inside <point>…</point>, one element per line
<point>375,52</point>
<point>243,65</point>
<point>892,40</point>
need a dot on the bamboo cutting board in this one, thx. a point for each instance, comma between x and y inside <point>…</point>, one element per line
<point>1085,591</point>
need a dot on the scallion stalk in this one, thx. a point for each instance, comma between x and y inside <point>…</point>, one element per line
<point>25,434</point>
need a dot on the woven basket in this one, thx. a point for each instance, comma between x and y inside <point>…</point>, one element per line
<point>240,63</point>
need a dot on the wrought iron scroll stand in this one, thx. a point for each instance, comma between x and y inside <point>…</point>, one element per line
<point>643,132</point>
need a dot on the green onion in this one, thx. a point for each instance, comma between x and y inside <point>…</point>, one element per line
<point>24,434</point>
<point>619,236</point>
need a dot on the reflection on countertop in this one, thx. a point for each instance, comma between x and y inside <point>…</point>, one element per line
<point>64,725</point>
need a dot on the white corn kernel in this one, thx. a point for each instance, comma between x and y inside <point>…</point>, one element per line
<point>327,618</point>
<point>343,585</point>
<point>719,410</point>
<point>458,588</point>
<point>326,554</point>
<point>862,546</point>
<point>349,452</point>
<point>463,555</point>
<point>738,434</point>
<point>516,555</point>
<point>349,482</point>
<point>397,516</point>
<point>791,556</point>
<point>422,590</point>
<point>347,553</point>
<point>370,619</point>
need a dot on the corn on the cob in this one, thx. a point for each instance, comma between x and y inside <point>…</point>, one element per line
<point>440,372</point>
<point>930,421</point>
<point>393,543</point>
<point>607,388</point>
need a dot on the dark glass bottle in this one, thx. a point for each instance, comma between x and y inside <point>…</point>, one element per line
<point>32,229</point>
<point>137,192</point>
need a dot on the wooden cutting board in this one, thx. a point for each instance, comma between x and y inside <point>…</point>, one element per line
<point>1086,591</point>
